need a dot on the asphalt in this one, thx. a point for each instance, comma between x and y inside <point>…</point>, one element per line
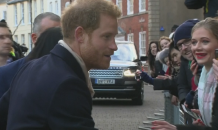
<point>113,114</point>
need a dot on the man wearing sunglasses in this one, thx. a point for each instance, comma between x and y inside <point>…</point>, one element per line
<point>5,43</point>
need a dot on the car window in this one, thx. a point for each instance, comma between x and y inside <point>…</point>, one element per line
<point>125,52</point>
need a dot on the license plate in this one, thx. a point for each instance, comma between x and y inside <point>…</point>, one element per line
<point>104,81</point>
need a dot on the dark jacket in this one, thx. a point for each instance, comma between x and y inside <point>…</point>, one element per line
<point>214,123</point>
<point>7,73</point>
<point>49,93</point>
<point>167,84</point>
<point>158,68</point>
<point>210,6</point>
<point>184,80</point>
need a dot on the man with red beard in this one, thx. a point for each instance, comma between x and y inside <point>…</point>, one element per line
<point>55,92</point>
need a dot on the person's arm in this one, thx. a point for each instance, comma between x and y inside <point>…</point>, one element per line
<point>71,107</point>
<point>166,84</point>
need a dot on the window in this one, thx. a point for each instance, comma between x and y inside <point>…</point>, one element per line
<point>129,6</point>
<point>30,42</point>
<point>22,39</point>
<point>22,12</point>
<point>119,4</point>
<point>131,37</point>
<point>142,5</point>
<point>15,15</point>
<point>29,12</point>
<point>50,7</point>
<point>42,6</point>
<point>56,7</point>
<point>35,8</point>
<point>4,15</point>
<point>142,43</point>
<point>15,38</point>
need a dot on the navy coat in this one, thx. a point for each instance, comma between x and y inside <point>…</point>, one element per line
<point>7,74</point>
<point>49,93</point>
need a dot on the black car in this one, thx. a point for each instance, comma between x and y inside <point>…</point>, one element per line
<point>118,81</point>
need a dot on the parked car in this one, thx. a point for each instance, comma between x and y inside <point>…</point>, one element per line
<point>118,81</point>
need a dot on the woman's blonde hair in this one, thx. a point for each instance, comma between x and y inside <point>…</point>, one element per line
<point>163,38</point>
<point>86,13</point>
<point>210,24</point>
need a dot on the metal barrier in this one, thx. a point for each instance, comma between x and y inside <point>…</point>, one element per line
<point>172,113</point>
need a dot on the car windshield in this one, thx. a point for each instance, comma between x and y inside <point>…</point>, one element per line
<point>125,52</point>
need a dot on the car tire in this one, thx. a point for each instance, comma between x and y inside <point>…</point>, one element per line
<point>140,99</point>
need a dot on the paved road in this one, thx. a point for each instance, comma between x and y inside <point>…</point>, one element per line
<point>123,115</point>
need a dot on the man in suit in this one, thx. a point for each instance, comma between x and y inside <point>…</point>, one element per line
<point>55,92</point>
<point>41,23</point>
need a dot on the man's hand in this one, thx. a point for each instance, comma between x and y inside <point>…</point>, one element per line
<point>174,100</point>
<point>162,125</point>
<point>138,73</point>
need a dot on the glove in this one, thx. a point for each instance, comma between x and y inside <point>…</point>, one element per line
<point>146,78</point>
<point>189,99</point>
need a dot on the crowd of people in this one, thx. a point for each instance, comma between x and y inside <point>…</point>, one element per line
<point>190,74</point>
<point>50,88</point>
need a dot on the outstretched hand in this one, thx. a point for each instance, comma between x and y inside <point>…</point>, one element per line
<point>138,73</point>
<point>162,125</point>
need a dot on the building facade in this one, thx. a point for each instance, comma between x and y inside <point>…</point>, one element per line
<point>3,9</point>
<point>133,24</point>
<point>163,14</point>
<point>21,14</point>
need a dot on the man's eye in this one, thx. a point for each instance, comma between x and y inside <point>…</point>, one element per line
<point>107,36</point>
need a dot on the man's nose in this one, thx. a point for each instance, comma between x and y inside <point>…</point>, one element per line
<point>113,45</point>
<point>183,47</point>
<point>174,59</point>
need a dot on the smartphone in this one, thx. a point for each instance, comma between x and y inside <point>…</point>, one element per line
<point>189,112</point>
<point>216,54</point>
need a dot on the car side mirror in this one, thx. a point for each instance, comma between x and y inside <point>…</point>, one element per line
<point>143,58</point>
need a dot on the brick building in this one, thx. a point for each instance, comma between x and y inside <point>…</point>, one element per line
<point>133,24</point>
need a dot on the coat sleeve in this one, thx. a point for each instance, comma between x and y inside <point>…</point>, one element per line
<point>167,84</point>
<point>4,106</point>
<point>71,107</point>
<point>195,4</point>
<point>183,88</point>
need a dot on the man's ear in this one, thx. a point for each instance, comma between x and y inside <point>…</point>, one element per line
<point>79,34</point>
<point>34,38</point>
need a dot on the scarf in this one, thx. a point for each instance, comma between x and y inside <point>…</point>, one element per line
<point>82,64</point>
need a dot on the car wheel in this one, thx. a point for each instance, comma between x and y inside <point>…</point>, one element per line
<point>139,100</point>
